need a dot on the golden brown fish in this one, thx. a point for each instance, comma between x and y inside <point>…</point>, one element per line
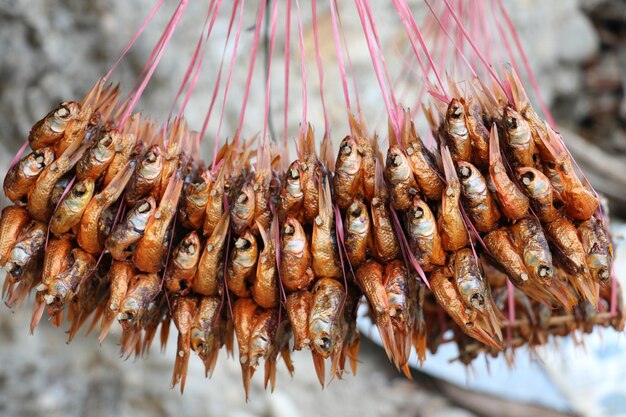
<point>513,202</point>
<point>450,222</point>
<point>49,130</point>
<point>12,221</point>
<point>298,306</point>
<point>183,264</point>
<point>423,236</point>
<point>22,176</point>
<point>70,211</point>
<point>207,280</point>
<point>357,232</point>
<point>295,271</point>
<point>481,207</point>
<point>242,265</point>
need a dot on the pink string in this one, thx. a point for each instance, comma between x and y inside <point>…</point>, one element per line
<point>303,67</point>
<point>230,75</point>
<point>18,155</point>
<point>342,66</point>
<point>507,45</point>
<point>318,59</point>
<point>529,71</point>
<point>484,27</point>
<point>269,65</point>
<point>411,27</point>
<point>287,46</point>
<point>350,67</point>
<point>341,240</point>
<point>135,37</point>
<point>456,46</point>
<point>65,192</point>
<point>255,47</point>
<point>341,246</point>
<point>194,80</point>
<point>380,50</point>
<point>391,108</point>
<point>168,34</point>
<point>472,44</point>
<point>192,63</point>
<point>217,85</point>
<point>405,243</point>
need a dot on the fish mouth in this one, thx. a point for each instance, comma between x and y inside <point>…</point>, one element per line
<point>477,301</point>
<point>323,344</point>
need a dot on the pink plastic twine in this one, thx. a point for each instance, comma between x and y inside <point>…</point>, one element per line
<point>269,66</point>
<point>318,59</point>
<point>287,46</point>
<point>473,44</point>
<point>18,155</point>
<point>412,30</point>
<point>168,34</point>
<point>378,68</point>
<point>197,59</point>
<point>455,44</point>
<point>135,37</point>
<point>303,127</point>
<point>255,47</point>
<point>229,78</point>
<point>529,71</point>
<point>404,243</point>
<point>338,50</point>
<point>340,238</point>
<point>217,85</point>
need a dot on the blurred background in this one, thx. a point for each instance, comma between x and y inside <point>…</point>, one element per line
<point>53,51</point>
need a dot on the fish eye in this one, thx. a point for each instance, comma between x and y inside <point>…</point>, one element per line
<point>544,271</point>
<point>511,122</point>
<point>294,174</point>
<point>242,243</point>
<point>62,113</point>
<point>457,111</point>
<point>346,149</point>
<point>419,213</point>
<point>242,198</point>
<point>190,247</point>
<point>355,209</point>
<point>80,189</point>
<point>151,157</point>
<point>528,177</point>
<point>464,172</point>
<point>604,274</point>
<point>144,207</point>
<point>477,300</point>
<point>289,230</point>
<point>107,140</point>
